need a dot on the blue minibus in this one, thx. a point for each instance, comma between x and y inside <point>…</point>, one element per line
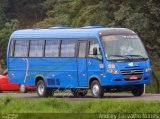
<point>91,57</point>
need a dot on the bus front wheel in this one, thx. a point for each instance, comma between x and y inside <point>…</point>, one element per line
<point>42,90</point>
<point>138,90</point>
<point>96,89</point>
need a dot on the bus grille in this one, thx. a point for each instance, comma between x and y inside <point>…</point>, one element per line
<point>128,74</point>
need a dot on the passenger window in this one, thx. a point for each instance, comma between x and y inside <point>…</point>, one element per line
<point>52,48</point>
<point>21,48</point>
<point>94,44</point>
<point>12,45</point>
<point>36,48</point>
<point>82,49</point>
<point>68,48</point>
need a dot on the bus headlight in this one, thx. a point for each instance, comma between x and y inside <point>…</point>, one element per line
<point>148,69</point>
<point>113,71</point>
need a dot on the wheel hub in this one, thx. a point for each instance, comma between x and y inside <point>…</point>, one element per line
<point>41,89</point>
<point>95,89</point>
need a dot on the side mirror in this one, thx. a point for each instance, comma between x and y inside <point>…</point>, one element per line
<point>95,51</point>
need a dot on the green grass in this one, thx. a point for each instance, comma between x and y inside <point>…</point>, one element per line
<point>152,87</point>
<point>51,105</point>
<point>50,108</point>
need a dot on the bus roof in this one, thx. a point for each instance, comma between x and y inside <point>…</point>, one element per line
<point>69,32</point>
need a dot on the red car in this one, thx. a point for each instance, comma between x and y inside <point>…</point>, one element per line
<point>5,85</point>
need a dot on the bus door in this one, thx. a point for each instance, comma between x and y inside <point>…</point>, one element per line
<point>82,63</point>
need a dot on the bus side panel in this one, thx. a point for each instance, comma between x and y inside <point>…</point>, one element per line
<point>95,68</point>
<point>57,72</point>
<point>17,70</point>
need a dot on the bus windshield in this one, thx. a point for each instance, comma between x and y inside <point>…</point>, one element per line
<point>123,47</point>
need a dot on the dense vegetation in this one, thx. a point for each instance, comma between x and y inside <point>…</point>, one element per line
<point>143,16</point>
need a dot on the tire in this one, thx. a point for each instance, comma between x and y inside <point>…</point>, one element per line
<point>42,90</point>
<point>79,92</point>
<point>96,89</point>
<point>22,89</point>
<point>138,90</point>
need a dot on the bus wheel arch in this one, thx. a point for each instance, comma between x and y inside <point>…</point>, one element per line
<point>92,79</point>
<point>38,78</point>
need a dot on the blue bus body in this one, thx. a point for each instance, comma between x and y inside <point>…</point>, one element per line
<point>73,71</point>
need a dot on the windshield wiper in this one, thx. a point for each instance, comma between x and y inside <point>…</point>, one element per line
<point>136,56</point>
<point>123,56</point>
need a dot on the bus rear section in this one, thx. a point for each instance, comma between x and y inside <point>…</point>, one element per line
<point>79,60</point>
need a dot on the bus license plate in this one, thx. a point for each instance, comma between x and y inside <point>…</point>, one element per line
<point>133,77</point>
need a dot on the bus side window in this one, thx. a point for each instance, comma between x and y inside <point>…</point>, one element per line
<point>82,49</point>
<point>11,51</point>
<point>36,48</point>
<point>52,48</point>
<point>21,48</point>
<point>94,44</point>
<point>68,48</point>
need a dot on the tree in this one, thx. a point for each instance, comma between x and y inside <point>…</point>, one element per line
<point>4,37</point>
<point>140,16</point>
<point>3,9</point>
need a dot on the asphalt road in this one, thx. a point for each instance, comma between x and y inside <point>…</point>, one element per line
<point>68,96</point>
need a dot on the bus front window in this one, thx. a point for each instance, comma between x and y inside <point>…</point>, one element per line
<point>123,47</point>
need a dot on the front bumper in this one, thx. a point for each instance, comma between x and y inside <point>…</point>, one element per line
<point>110,80</point>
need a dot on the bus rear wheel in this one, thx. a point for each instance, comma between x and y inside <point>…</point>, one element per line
<point>96,89</point>
<point>138,90</point>
<point>42,90</point>
<point>79,92</point>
